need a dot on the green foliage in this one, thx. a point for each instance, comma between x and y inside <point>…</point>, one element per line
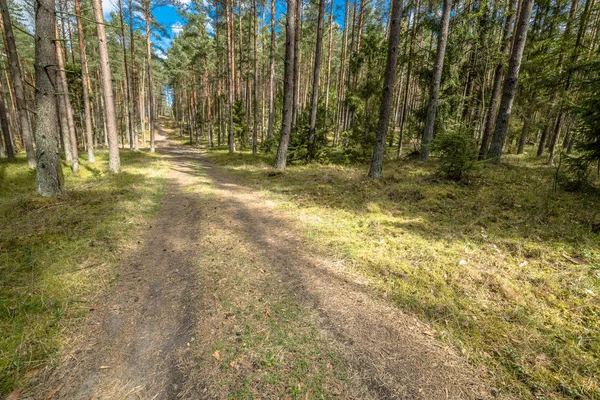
<point>241,128</point>
<point>575,176</point>
<point>458,154</point>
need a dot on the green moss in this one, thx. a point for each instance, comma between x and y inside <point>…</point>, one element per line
<point>505,269</point>
<point>57,254</point>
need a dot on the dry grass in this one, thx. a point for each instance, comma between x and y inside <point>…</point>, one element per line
<point>56,255</point>
<point>506,269</point>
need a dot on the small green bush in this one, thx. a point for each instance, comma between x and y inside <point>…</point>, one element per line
<point>457,152</point>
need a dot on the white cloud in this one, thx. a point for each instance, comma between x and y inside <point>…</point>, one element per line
<point>176,28</point>
<point>109,6</point>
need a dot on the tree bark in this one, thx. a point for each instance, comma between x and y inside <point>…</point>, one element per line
<point>315,89</point>
<point>288,87</point>
<point>49,179</point>
<point>84,84</point>
<point>114,162</point>
<point>498,74</point>
<point>149,68</point>
<point>17,84</point>
<point>271,75</point>
<point>66,101</point>
<point>255,87</point>
<point>436,81</point>
<point>389,82</point>
<point>230,58</point>
<point>328,65</point>
<point>510,82</point>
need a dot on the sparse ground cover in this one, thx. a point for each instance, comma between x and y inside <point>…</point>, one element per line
<point>506,269</point>
<point>57,255</point>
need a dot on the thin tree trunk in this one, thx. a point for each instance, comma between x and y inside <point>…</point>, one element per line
<point>63,87</point>
<point>288,86</point>
<point>436,81</point>
<point>114,162</point>
<point>255,87</point>
<point>84,84</point>
<point>315,84</point>
<point>149,68</point>
<point>510,82</point>
<point>389,82</point>
<point>271,75</point>
<point>230,57</point>
<point>49,179</point>
<point>328,65</point>
<point>498,73</point>
<point>17,84</point>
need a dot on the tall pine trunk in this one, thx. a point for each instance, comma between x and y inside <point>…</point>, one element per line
<point>271,75</point>
<point>389,81</point>
<point>49,179</point>
<point>436,81</point>
<point>84,85</point>
<point>510,82</point>
<point>288,86</point>
<point>114,162</point>
<point>149,69</point>
<point>315,88</point>
<point>230,72</point>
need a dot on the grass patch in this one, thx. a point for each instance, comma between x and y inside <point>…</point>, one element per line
<point>56,255</point>
<point>256,339</point>
<point>505,269</point>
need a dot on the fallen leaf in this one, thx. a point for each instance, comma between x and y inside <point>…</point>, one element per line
<point>462,262</point>
<point>104,367</point>
<point>54,391</point>
<point>217,355</point>
<point>14,395</point>
<point>524,263</point>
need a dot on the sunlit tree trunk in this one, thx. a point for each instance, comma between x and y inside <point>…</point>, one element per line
<point>389,82</point>
<point>510,82</point>
<point>230,57</point>
<point>498,73</point>
<point>66,101</point>
<point>49,179</point>
<point>255,87</point>
<point>84,85</point>
<point>329,53</point>
<point>315,87</point>
<point>436,81</point>
<point>149,69</point>
<point>114,162</point>
<point>271,75</point>
<point>288,87</point>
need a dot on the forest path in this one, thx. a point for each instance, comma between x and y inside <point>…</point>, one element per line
<point>217,251</point>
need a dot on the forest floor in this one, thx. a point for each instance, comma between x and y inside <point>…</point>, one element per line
<point>226,297</point>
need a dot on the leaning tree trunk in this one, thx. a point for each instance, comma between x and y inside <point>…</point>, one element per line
<point>149,66</point>
<point>436,81</point>
<point>389,81</point>
<point>17,83</point>
<point>114,162</point>
<point>288,87</point>
<point>498,73</point>
<point>510,82</point>
<point>84,84</point>
<point>315,89</point>
<point>49,179</point>
<point>134,96</point>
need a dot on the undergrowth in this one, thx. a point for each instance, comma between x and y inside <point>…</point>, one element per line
<point>56,255</point>
<point>506,268</point>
